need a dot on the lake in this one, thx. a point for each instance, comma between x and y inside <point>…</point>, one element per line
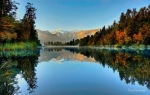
<point>75,71</point>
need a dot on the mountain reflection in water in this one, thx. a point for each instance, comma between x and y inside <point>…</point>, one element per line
<point>59,55</point>
<point>132,66</point>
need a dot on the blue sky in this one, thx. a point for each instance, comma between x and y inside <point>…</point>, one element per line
<point>78,14</point>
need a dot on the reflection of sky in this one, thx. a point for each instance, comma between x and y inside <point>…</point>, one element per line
<point>81,78</point>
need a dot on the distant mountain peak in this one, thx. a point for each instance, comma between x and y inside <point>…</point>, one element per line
<point>63,35</point>
<point>58,31</point>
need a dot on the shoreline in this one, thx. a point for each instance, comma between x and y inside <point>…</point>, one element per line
<point>61,46</point>
<point>109,47</point>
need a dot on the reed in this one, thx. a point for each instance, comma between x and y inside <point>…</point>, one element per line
<point>18,45</point>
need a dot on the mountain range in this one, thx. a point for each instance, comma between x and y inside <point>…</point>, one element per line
<point>63,36</point>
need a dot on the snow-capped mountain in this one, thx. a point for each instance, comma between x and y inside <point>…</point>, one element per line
<point>63,36</point>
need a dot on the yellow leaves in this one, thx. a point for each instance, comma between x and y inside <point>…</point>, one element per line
<point>10,30</point>
<point>7,36</point>
<point>7,73</point>
<point>6,29</point>
<point>6,22</point>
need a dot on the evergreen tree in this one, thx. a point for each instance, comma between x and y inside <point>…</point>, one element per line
<point>30,17</point>
<point>7,7</point>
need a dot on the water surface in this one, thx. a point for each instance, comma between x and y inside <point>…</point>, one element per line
<point>75,71</point>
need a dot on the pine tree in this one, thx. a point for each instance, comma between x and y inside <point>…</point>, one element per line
<point>7,7</point>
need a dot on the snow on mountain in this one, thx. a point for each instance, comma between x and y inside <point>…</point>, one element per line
<point>63,35</point>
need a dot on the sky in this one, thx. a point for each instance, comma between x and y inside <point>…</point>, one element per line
<point>78,14</point>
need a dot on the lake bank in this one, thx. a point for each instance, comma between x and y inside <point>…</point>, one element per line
<point>115,47</point>
<point>64,46</point>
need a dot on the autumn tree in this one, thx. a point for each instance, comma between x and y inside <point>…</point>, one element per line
<point>7,19</point>
<point>30,17</point>
<point>133,27</point>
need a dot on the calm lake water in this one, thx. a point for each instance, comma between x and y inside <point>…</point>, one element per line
<point>75,71</point>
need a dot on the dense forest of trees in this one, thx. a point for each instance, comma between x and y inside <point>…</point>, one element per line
<point>53,43</point>
<point>73,42</point>
<point>132,28</point>
<point>13,30</point>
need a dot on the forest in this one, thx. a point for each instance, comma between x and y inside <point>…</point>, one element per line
<point>14,32</point>
<point>133,28</point>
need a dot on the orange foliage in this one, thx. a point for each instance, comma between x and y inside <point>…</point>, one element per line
<point>142,34</point>
<point>138,38</point>
<point>122,58</point>
<point>6,23</point>
<point>122,37</point>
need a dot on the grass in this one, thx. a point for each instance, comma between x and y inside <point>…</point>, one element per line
<point>18,46</point>
<point>18,53</point>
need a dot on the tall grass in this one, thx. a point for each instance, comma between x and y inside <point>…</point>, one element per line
<point>18,53</point>
<point>18,45</point>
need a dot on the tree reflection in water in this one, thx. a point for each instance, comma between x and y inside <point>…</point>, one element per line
<point>133,66</point>
<point>17,62</point>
